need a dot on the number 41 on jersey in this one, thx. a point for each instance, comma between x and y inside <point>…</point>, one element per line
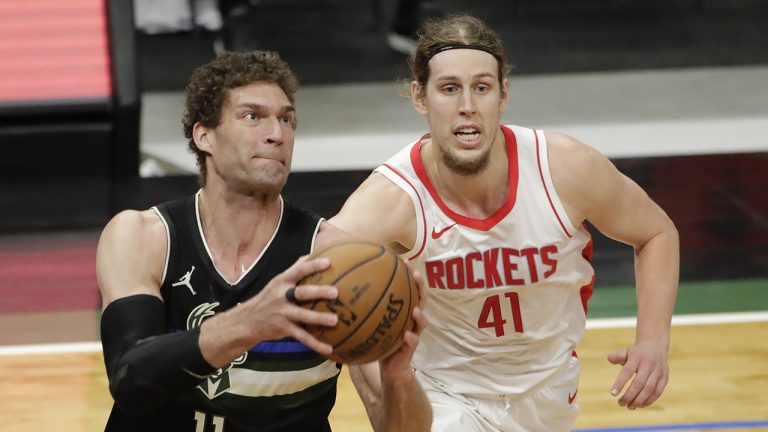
<point>491,317</point>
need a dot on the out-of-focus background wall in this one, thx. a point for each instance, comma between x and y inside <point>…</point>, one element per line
<point>674,92</point>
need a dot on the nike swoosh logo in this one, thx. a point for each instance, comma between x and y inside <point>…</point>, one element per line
<point>437,234</point>
<point>572,398</point>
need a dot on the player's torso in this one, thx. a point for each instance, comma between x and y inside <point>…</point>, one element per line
<point>261,389</point>
<point>505,292</point>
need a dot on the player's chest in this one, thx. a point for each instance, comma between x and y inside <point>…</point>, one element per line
<point>194,294</point>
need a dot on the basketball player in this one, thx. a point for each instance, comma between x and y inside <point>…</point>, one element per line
<point>493,216</point>
<point>199,329</point>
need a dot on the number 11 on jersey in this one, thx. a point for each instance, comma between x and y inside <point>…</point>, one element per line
<point>491,317</point>
<point>200,422</point>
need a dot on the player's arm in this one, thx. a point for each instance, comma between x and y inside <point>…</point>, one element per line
<point>592,188</point>
<point>388,388</point>
<point>379,210</point>
<point>146,364</point>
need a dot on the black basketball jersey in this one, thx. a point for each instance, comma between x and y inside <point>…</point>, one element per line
<point>275,386</point>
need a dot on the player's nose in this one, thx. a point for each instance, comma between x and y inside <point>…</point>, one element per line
<point>275,133</point>
<point>467,105</point>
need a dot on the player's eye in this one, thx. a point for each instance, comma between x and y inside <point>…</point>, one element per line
<point>450,89</point>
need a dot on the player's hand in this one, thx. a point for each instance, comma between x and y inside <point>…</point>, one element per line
<point>400,361</point>
<point>272,315</point>
<point>647,362</point>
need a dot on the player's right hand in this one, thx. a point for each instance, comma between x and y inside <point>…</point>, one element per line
<point>269,315</point>
<point>399,362</point>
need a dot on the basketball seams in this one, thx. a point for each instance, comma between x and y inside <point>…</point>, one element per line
<point>375,305</point>
<point>382,251</point>
<point>407,309</point>
<point>360,267</point>
<point>361,263</point>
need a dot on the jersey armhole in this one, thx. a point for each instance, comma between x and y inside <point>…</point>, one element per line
<point>549,186</point>
<point>314,235</point>
<point>168,242</point>
<point>403,183</point>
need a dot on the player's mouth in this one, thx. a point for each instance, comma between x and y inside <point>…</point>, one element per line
<point>467,135</point>
<point>270,159</point>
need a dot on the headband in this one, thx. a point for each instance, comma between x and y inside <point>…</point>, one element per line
<point>454,45</point>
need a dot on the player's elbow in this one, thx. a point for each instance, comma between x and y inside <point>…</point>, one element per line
<point>134,394</point>
<point>670,233</point>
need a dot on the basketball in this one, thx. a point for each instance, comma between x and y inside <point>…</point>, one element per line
<point>377,295</point>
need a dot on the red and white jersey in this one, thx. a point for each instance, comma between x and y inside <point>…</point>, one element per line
<point>507,294</point>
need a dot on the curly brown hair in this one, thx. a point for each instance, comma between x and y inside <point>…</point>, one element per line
<point>209,87</point>
<point>436,34</point>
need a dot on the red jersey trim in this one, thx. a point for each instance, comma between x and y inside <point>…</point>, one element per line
<point>479,224</point>
<point>421,207</point>
<point>586,291</point>
<point>544,183</point>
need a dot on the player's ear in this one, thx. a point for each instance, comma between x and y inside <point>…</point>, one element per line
<point>417,98</point>
<point>504,95</point>
<point>201,135</point>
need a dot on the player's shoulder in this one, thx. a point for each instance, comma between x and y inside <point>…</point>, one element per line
<point>564,142</point>
<point>566,153</point>
<point>134,226</point>
<point>378,210</point>
<point>380,191</point>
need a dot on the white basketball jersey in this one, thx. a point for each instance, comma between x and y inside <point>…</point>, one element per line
<point>507,294</point>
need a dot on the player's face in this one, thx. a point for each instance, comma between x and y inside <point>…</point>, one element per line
<point>252,146</point>
<point>463,103</point>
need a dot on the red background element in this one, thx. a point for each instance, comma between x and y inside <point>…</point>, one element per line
<point>53,49</point>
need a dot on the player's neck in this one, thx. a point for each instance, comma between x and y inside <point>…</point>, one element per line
<point>476,196</point>
<point>237,228</point>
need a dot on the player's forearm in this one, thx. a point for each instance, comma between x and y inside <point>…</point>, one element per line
<point>147,366</point>
<point>657,267</point>
<point>405,405</point>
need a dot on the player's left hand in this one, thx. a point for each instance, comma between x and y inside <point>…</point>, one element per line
<point>647,363</point>
<point>400,361</point>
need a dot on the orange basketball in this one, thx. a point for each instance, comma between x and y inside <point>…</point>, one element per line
<point>376,298</point>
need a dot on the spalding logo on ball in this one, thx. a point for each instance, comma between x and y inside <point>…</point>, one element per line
<point>376,299</point>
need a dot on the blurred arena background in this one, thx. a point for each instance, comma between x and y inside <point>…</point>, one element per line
<point>674,92</point>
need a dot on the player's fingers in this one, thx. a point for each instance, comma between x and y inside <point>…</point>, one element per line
<point>298,314</point>
<point>661,384</point>
<point>420,320</point>
<point>636,386</point>
<point>419,283</point>
<point>410,341</point>
<point>619,357</point>
<point>315,292</point>
<point>625,374</point>
<point>307,339</point>
<point>304,267</point>
<point>649,387</point>
<point>422,289</point>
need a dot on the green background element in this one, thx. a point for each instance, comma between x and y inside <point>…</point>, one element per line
<point>692,298</point>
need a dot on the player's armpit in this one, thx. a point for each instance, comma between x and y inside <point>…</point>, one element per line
<point>146,366</point>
